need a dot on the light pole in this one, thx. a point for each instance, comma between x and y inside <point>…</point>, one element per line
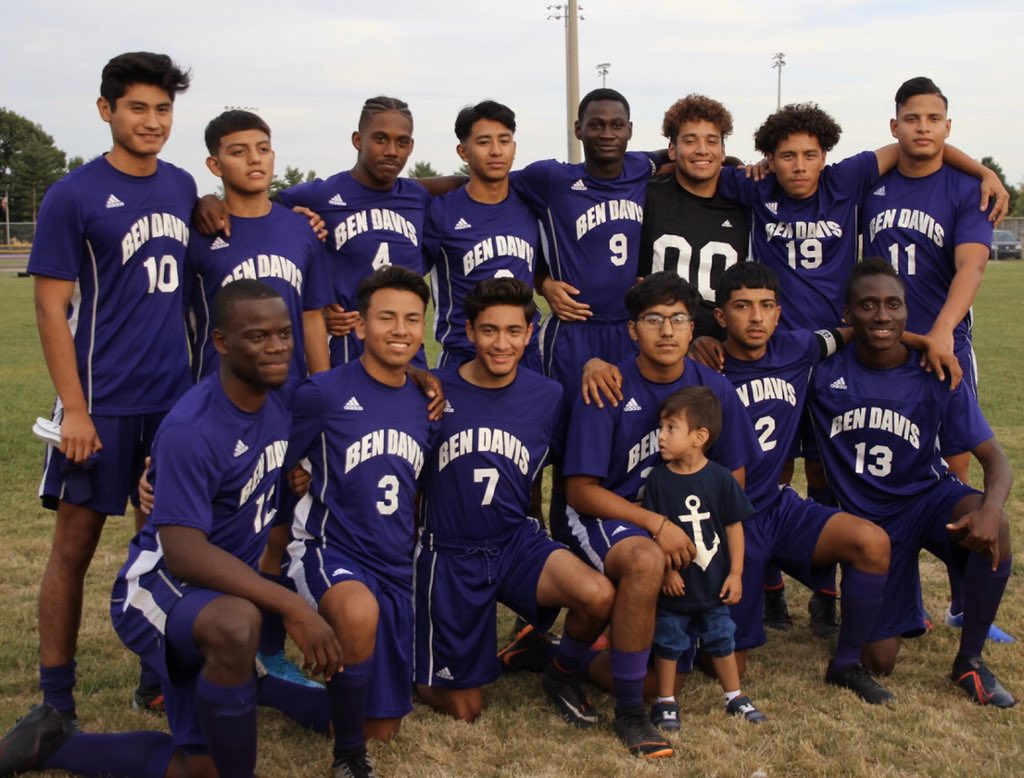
<point>602,71</point>
<point>570,13</point>
<point>778,61</point>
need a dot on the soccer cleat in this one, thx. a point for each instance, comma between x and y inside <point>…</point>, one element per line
<point>776,610</point>
<point>528,650</point>
<point>279,666</point>
<point>31,740</point>
<point>665,715</point>
<point>570,699</point>
<point>996,635</point>
<point>973,676</point>
<point>822,610</point>
<point>149,699</point>
<point>635,729</point>
<point>354,765</point>
<point>858,680</point>
<point>742,706</point>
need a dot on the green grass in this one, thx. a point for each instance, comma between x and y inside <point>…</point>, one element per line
<point>813,729</point>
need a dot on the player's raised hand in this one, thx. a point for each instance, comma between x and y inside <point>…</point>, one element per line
<point>320,648</point>
<point>992,187</point>
<point>211,216</point>
<point>316,222</point>
<point>559,296</point>
<point>676,544</point>
<point>339,321</point>
<point>708,351</point>
<point>146,493</point>
<point>732,589</point>
<point>431,388</point>
<point>78,437</point>
<point>978,530</point>
<point>601,379</point>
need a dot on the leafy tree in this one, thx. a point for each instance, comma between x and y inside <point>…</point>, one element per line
<point>29,163</point>
<point>423,170</point>
<point>291,177</point>
<point>462,170</point>
<point>75,162</point>
<point>1015,194</point>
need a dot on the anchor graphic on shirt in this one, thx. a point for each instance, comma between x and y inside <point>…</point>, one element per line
<point>695,517</point>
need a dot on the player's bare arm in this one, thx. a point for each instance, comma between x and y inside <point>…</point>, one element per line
<point>559,296</point>
<point>732,588</point>
<point>211,216</point>
<point>339,322</point>
<point>601,379</point>
<point>78,437</point>
<point>192,558</point>
<point>971,259</point>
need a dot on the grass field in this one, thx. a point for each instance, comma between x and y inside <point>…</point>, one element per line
<point>932,729</point>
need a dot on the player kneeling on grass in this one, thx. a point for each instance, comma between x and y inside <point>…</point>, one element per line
<point>478,545</point>
<point>188,599</point>
<point>877,416</point>
<point>704,500</point>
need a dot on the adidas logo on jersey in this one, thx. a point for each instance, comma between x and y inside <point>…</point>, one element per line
<point>353,404</point>
<point>113,202</point>
<point>448,407</point>
<point>839,383</point>
<point>462,224</point>
<point>340,571</point>
<point>240,448</point>
<point>579,186</point>
<point>880,192</point>
<point>727,223</point>
<point>336,200</point>
<point>773,207</point>
<point>445,674</point>
<point>632,405</point>
<point>219,243</point>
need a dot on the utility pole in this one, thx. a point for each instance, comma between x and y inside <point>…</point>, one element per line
<point>602,71</point>
<point>570,12</point>
<point>778,61</point>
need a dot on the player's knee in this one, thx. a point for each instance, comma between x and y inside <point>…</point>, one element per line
<point>228,632</point>
<point>466,709</point>
<point>381,729</point>
<point>601,597</point>
<point>644,561</point>
<point>872,549</point>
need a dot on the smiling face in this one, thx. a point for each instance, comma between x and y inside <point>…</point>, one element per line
<point>256,344</point>
<point>499,334</point>
<point>384,145</point>
<point>391,331</point>
<point>244,161</point>
<point>140,121</point>
<point>698,152</point>
<point>877,312</point>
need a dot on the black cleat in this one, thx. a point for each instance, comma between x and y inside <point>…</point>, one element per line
<point>354,765</point>
<point>776,610</point>
<point>973,676</point>
<point>31,740</point>
<point>149,699</point>
<point>859,681</point>
<point>529,650</point>
<point>570,699</point>
<point>822,610</point>
<point>635,729</point>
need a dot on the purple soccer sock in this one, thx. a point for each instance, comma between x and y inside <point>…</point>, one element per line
<point>272,633</point>
<point>569,655</point>
<point>956,589</point>
<point>228,715</point>
<point>57,684</point>
<point>773,577</point>
<point>348,692</point>
<point>305,705</point>
<point>629,668</point>
<point>148,677</point>
<point>861,601</point>
<point>983,590</point>
<point>119,755</point>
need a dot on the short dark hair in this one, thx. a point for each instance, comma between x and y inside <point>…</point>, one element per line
<point>699,406</point>
<point>693,108</point>
<point>794,118</point>
<point>499,291</point>
<point>871,266</point>
<point>488,109</point>
<point>238,291</point>
<point>142,67</point>
<point>745,275</point>
<point>383,104</point>
<point>919,85</point>
<point>601,94</point>
<point>390,277</point>
<point>229,122</point>
<point>662,288</point>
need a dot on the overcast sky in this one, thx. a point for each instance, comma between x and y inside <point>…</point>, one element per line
<point>307,66</point>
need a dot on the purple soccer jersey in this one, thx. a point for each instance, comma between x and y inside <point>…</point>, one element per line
<point>367,443</point>
<point>123,239</point>
<point>916,224</point>
<point>620,445</point>
<point>492,445</point>
<point>878,429</point>
<point>367,229</point>
<point>466,242</point>
<point>279,249</point>
<point>591,225</point>
<point>773,390</point>
<point>811,244</point>
<point>216,469</point>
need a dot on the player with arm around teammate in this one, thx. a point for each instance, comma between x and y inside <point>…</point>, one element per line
<point>478,545</point>
<point>878,416</point>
